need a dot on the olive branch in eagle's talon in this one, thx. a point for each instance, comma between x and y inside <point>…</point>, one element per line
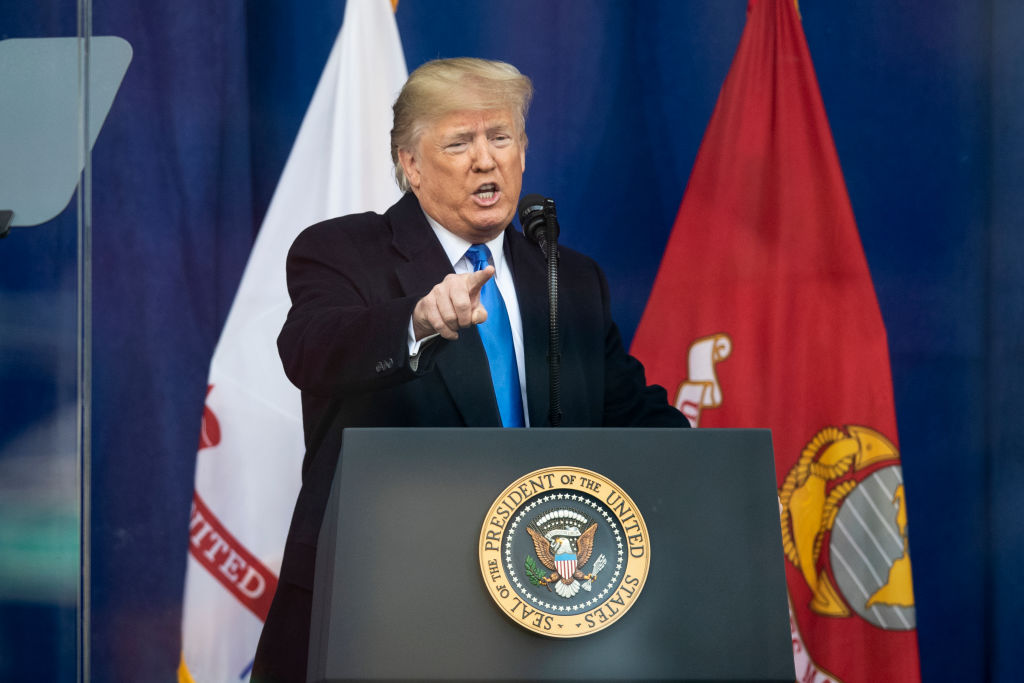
<point>534,574</point>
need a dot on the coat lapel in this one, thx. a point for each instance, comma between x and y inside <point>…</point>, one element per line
<point>529,268</point>
<point>462,364</point>
<point>425,264</point>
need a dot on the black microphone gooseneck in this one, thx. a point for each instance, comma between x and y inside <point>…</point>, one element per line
<point>540,224</point>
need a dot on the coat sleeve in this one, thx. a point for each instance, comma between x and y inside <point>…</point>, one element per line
<point>628,400</point>
<point>347,328</point>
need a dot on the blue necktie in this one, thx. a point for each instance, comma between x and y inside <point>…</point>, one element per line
<point>496,334</point>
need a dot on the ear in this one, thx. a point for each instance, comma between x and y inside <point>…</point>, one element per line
<point>410,166</point>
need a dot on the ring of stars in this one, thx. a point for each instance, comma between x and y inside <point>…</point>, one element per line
<point>524,589</point>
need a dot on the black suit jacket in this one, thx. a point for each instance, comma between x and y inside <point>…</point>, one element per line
<point>354,282</point>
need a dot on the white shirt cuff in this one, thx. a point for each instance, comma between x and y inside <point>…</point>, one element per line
<point>415,346</point>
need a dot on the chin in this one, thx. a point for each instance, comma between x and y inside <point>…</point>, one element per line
<point>487,233</point>
<point>493,221</point>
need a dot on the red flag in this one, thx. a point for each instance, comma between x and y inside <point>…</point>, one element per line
<point>763,314</point>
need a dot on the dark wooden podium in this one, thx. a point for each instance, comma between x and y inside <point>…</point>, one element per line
<point>399,593</point>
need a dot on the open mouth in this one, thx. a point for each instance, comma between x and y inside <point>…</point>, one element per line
<point>486,193</point>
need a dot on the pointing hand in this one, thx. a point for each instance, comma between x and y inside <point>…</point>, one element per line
<point>452,304</point>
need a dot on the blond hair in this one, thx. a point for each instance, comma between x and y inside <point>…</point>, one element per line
<point>443,86</point>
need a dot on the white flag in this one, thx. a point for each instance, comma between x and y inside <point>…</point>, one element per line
<point>251,445</point>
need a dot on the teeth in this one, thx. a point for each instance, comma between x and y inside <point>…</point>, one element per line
<point>485,195</point>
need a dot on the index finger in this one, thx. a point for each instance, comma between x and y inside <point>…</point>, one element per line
<point>477,278</point>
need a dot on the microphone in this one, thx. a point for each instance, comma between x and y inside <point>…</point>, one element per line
<point>538,218</point>
<point>540,224</point>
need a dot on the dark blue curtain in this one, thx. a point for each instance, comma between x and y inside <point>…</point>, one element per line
<point>926,103</point>
<point>173,227</point>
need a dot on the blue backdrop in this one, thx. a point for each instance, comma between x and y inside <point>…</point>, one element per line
<point>926,103</point>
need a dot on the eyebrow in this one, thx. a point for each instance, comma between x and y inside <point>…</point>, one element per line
<point>501,127</point>
<point>469,133</point>
<point>458,136</point>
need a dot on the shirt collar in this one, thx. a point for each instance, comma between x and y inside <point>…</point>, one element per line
<point>455,247</point>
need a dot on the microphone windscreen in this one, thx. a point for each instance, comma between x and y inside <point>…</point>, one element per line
<point>531,216</point>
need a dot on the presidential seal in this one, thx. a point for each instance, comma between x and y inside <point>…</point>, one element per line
<point>564,552</point>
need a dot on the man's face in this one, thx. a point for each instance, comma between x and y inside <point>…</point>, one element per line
<point>467,171</point>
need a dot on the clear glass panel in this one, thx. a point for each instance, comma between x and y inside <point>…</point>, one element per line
<point>43,364</point>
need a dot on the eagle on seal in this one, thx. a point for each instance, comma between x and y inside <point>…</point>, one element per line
<point>556,553</point>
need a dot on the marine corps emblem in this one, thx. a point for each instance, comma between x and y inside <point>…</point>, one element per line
<point>564,552</point>
<point>844,526</point>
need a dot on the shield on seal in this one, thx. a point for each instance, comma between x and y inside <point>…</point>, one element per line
<point>565,565</point>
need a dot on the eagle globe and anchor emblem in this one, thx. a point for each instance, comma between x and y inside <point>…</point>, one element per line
<point>844,526</point>
<point>564,552</point>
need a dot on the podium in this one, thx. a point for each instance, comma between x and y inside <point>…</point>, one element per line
<point>399,593</point>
